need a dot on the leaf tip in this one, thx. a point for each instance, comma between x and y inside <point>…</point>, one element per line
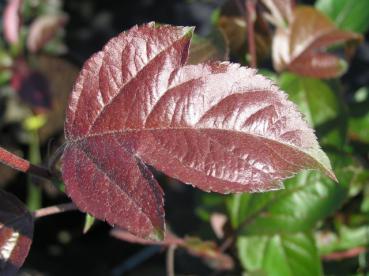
<point>343,66</point>
<point>189,31</point>
<point>156,235</point>
<point>332,176</point>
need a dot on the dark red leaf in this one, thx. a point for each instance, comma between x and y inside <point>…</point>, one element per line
<point>300,47</point>
<point>16,231</point>
<point>12,21</point>
<point>217,126</point>
<point>31,86</point>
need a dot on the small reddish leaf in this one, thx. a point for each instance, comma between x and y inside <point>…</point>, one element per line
<point>31,86</point>
<point>280,11</point>
<point>42,30</point>
<point>217,126</point>
<point>217,222</point>
<point>300,47</point>
<point>12,21</point>
<point>16,231</point>
<point>211,48</point>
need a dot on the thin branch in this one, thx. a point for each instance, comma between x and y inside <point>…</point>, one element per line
<point>250,15</point>
<point>170,260</point>
<point>293,4</point>
<point>23,165</point>
<point>228,242</point>
<point>54,160</point>
<point>347,254</point>
<point>52,210</point>
<point>241,8</point>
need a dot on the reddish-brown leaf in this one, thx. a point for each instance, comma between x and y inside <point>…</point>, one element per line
<point>211,48</point>
<point>16,231</point>
<point>12,21</point>
<point>280,11</point>
<point>217,126</point>
<point>42,30</point>
<point>301,46</point>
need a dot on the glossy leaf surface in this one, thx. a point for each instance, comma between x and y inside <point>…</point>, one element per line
<point>301,46</point>
<point>308,198</point>
<point>352,15</point>
<point>16,231</point>
<point>217,126</point>
<point>320,105</point>
<point>280,254</point>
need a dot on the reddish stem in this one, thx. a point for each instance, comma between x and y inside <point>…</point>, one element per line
<point>347,254</point>
<point>52,210</point>
<point>293,4</point>
<point>20,164</point>
<point>250,15</point>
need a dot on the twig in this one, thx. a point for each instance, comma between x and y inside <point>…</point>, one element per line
<point>54,160</point>
<point>347,254</point>
<point>170,260</point>
<point>52,210</point>
<point>136,260</point>
<point>293,4</point>
<point>227,243</point>
<point>250,14</point>
<point>20,164</point>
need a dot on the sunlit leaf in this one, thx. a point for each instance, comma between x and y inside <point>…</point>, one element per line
<point>308,198</point>
<point>218,126</point>
<point>352,15</point>
<point>277,255</point>
<point>301,47</point>
<point>320,105</point>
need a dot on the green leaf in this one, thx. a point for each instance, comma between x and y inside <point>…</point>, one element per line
<point>89,221</point>
<point>350,15</point>
<point>320,105</point>
<point>280,254</point>
<point>359,116</point>
<point>345,239</point>
<point>308,198</point>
